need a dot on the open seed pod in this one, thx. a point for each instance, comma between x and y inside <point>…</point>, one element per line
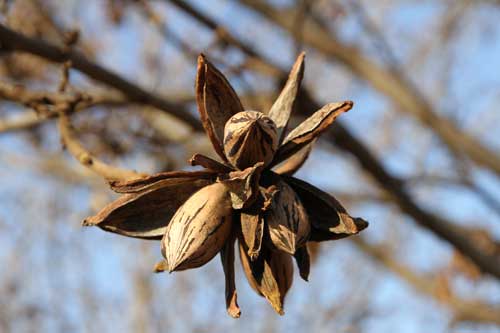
<point>149,203</point>
<point>273,215</point>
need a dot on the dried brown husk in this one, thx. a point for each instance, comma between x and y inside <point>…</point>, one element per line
<point>250,137</point>
<point>303,262</point>
<point>271,275</point>
<point>199,229</point>
<point>291,165</point>
<point>144,183</point>
<point>243,185</point>
<point>227,258</point>
<point>256,268</point>
<point>329,220</point>
<point>267,194</point>
<point>310,129</point>
<point>252,229</point>
<point>145,211</point>
<point>282,108</point>
<point>287,220</point>
<point>282,267</point>
<point>208,163</point>
<point>217,102</point>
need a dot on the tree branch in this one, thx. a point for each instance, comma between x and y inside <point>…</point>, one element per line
<point>44,102</point>
<point>13,41</point>
<point>83,156</point>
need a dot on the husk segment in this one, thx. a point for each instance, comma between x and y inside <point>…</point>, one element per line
<point>282,108</point>
<point>329,220</point>
<point>217,102</point>
<point>310,129</point>
<point>252,229</point>
<point>149,204</point>
<point>227,258</point>
<point>287,220</point>
<point>153,181</point>
<point>199,229</point>
<point>208,163</point>
<point>291,165</point>
<point>303,261</point>
<point>271,275</point>
<point>243,185</point>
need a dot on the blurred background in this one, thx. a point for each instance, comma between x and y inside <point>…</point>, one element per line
<point>418,157</point>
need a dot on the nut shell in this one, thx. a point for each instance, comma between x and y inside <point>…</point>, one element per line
<point>250,137</point>
<point>199,229</point>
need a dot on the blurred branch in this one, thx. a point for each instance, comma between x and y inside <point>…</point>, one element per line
<point>463,181</point>
<point>13,41</point>
<point>463,310</point>
<point>45,102</point>
<point>341,137</point>
<point>396,189</point>
<point>303,11</point>
<point>396,87</point>
<point>83,156</point>
<point>165,31</point>
<point>256,62</point>
<point>373,29</point>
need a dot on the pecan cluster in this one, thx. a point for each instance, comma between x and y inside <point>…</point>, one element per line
<point>249,196</point>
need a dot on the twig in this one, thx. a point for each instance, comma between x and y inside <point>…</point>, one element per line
<point>44,102</point>
<point>13,41</point>
<point>395,187</point>
<point>88,160</point>
<point>64,77</point>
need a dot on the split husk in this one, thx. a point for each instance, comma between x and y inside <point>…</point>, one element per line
<point>329,219</point>
<point>287,220</point>
<point>227,258</point>
<point>271,275</point>
<point>217,102</point>
<point>149,203</point>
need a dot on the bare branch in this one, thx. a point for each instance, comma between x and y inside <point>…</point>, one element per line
<point>443,228</point>
<point>13,41</point>
<point>45,102</point>
<point>83,156</point>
